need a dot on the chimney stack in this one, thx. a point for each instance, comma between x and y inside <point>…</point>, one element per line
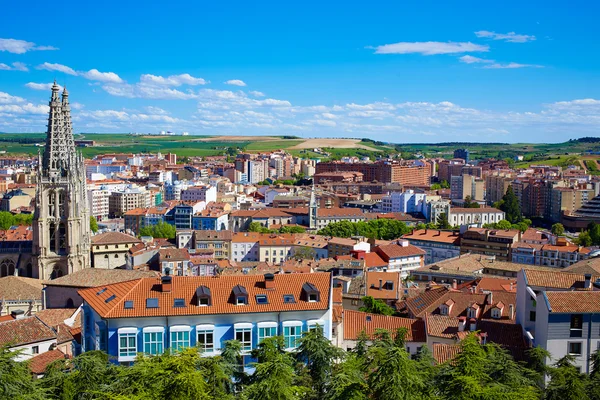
<point>490,298</point>
<point>18,314</point>
<point>454,284</point>
<point>462,322</point>
<point>588,281</point>
<point>269,281</point>
<point>165,283</point>
<point>511,311</point>
<point>380,284</point>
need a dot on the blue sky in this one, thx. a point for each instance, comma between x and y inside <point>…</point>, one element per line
<point>417,72</point>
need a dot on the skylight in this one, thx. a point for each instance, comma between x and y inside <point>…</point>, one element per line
<point>128,304</point>
<point>111,298</point>
<point>152,302</point>
<point>179,303</point>
<point>289,298</point>
<point>101,291</point>
<point>261,299</point>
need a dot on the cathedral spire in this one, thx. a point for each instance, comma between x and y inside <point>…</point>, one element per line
<point>59,136</point>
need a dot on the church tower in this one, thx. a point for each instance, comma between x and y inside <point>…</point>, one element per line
<point>61,223</point>
<point>312,212</point>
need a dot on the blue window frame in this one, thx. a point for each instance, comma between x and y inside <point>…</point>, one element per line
<point>153,343</point>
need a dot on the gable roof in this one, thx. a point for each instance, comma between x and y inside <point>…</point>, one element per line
<point>221,288</point>
<point>38,364</point>
<point>555,279</point>
<point>23,331</point>
<point>114,238</point>
<point>356,322</point>
<point>92,277</point>
<point>573,302</point>
<point>20,288</point>
<point>394,250</point>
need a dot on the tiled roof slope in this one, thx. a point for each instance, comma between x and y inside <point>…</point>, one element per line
<point>39,363</point>
<point>556,279</point>
<point>392,251</point>
<point>445,352</point>
<point>221,289</point>
<point>574,302</point>
<point>114,238</point>
<point>92,277</point>
<point>589,266</point>
<point>356,322</point>
<point>24,331</point>
<point>20,288</point>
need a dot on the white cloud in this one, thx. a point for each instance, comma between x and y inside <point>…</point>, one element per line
<point>235,82</point>
<point>511,65</point>
<point>256,93</point>
<point>95,75</point>
<point>16,46</point>
<point>40,86</point>
<point>329,116</point>
<point>77,106</point>
<point>16,66</point>
<point>173,80</point>
<point>430,48</point>
<point>28,108</point>
<point>508,37</point>
<point>472,60</point>
<point>6,98</point>
<point>57,67</point>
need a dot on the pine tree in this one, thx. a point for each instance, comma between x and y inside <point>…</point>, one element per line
<point>511,207</point>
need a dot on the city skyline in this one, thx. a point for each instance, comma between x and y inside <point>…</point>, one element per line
<point>397,73</point>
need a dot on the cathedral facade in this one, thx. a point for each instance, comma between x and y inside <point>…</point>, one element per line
<point>61,223</point>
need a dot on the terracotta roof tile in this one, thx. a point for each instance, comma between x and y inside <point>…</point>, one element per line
<point>56,316</point>
<point>114,238</point>
<point>434,235</point>
<point>20,288</point>
<point>356,321</point>
<point>390,285</point>
<point>221,291</point>
<point>213,235</point>
<point>555,279</point>
<point>39,363</point>
<point>24,331</point>
<point>92,277</point>
<point>574,301</point>
<point>395,250</point>
<point>445,352</point>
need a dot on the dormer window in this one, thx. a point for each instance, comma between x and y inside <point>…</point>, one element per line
<point>496,313</point>
<point>472,312</point>
<point>203,296</point>
<point>240,295</point>
<point>311,293</point>
<point>444,309</point>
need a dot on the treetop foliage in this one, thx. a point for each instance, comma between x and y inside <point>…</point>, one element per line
<point>381,229</point>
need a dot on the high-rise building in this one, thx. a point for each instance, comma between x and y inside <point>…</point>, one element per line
<point>61,222</point>
<point>382,171</point>
<point>462,153</point>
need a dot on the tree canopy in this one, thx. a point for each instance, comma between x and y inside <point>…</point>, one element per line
<point>511,206</point>
<point>383,229</point>
<point>161,230</point>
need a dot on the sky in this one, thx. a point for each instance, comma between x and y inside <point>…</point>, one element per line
<point>395,71</point>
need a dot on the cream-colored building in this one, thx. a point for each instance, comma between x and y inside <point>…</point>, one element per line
<point>110,249</point>
<point>276,249</point>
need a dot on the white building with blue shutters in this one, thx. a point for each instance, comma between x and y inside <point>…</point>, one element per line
<point>149,315</point>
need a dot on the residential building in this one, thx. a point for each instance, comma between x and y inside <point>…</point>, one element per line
<point>326,216</point>
<point>318,244</point>
<point>463,154</point>
<point>216,243</point>
<point>15,199</point>
<point>152,315</point>
<point>405,173</point>
<point>560,312</point>
<point>18,293</point>
<point>200,193</point>
<point>27,335</point>
<point>401,256</point>
<point>438,245</point>
<point>276,249</point>
<point>344,246</point>
<point>110,249</point>
<point>99,203</point>
<point>404,202</point>
<point>120,202</point>
<point>245,246</point>
<point>490,242</point>
<point>174,262</point>
<point>496,185</point>
<point>466,185</point>
<point>474,216</point>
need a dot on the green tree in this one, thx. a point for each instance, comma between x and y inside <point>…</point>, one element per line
<point>445,185</point>
<point>558,229</point>
<point>503,224</point>
<point>375,306</point>
<point>23,219</point>
<point>584,239</point>
<point>442,221</point>
<point>511,207</point>
<point>161,230</point>
<point>292,229</point>
<point>594,230</point>
<point>566,383</point>
<point>469,203</point>
<point>304,253</point>
<point>15,379</point>
<point>318,355</point>
<point>348,381</point>
<point>93,224</point>
<point>273,379</point>
<point>257,227</point>
<point>6,220</point>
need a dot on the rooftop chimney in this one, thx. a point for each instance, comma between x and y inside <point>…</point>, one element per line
<point>511,311</point>
<point>490,298</point>
<point>165,283</point>
<point>380,284</point>
<point>462,321</point>
<point>18,314</point>
<point>588,281</point>
<point>269,281</point>
<point>454,284</point>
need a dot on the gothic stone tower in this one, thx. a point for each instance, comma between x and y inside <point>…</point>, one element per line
<point>61,223</point>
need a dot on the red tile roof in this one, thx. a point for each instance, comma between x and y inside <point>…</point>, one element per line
<point>445,352</point>
<point>114,238</point>
<point>24,331</point>
<point>20,233</point>
<point>434,235</point>
<point>356,322</point>
<point>39,363</point>
<point>555,279</point>
<point>574,302</point>
<point>394,250</point>
<point>221,291</point>
<point>386,292</point>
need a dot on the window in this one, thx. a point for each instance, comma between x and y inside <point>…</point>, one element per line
<point>244,336</point>
<point>288,298</point>
<point>128,304</point>
<point>179,303</point>
<point>206,339</point>
<point>261,299</point>
<point>574,348</point>
<point>128,344</point>
<point>153,342</point>
<point>266,331</point>
<point>180,338</point>
<point>35,349</point>
<point>291,335</point>
<point>471,313</point>
<point>444,309</point>
<point>241,300</point>
<point>312,297</point>
<point>576,325</point>
<point>496,313</point>
<point>152,302</point>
